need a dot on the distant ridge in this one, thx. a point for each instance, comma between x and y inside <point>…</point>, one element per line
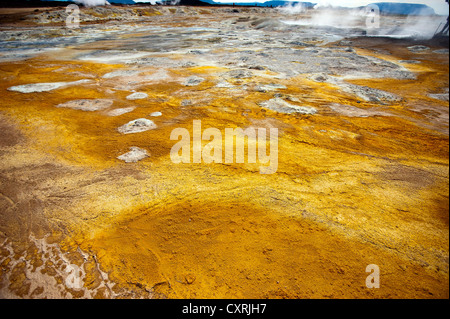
<point>387,8</point>
<point>271,3</point>
<point>122,1</point>
<point>404,8</point>
<point>393,8</point>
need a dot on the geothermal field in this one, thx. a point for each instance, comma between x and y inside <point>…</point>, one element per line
<point>119,177</point>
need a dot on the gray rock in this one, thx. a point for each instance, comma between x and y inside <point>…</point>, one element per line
<point>369,94</point>
<point>87,104</point>
<point>410,61</point>
<point>120,73</point>
<point>320,77</point>
<point>239,74</point>
<point>137,126</point>
<point>224,84</point>
<point>281,106</point>
<point>121,111</point>
<point>137,96</point>
<point>418,48</point>
<point>44,87</point>
<point>301,44</point>
<point>135,154</point>
<point>363,92</point>
<point>352,111</point>
<point>186,102</point>
<point>193,81</point>
<point>440,96</point>
<point>441,51</point>
<point>269,87</point>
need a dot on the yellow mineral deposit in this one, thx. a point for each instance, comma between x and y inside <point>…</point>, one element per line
<point>357,184</point>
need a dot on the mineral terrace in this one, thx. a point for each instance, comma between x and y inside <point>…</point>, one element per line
<point>92,206</point>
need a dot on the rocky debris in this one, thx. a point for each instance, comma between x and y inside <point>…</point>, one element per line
<point>120,73</point>
<point>418,48</point>
<point>190,278</point>
<point>137,96</point>
<point>44,87</point>
<point>87,104</point>
<point>441,51</point>
<point>321,77</point>
<point>269,87</point>
<point>286,60</point>
<point>22,54</point>
<point>301,44</point>
<point>352,111</point>
<point>365,93</point>
<point>224,84</point>
<point>440,96</point>
<point>156,114</point>
<point>193,81</point>
<point>135,154</point>
<point>186,102</point>
<point>369,94</point>
<point>114,56</point>
<point>239,74</point>
<point>410,61</point>
<point>95,14</point>
<point>137,126</point>
<point>281,106</point>
<point>121,111</point>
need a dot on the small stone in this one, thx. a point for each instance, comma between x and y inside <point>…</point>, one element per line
<point>156,114</point>
<point>224,84</point>
<point>370,94</point>
<point>135,154</point>
<point>120,73</point>
<point>320,77</point>
<point>281,106</point>
<point>87,104</point>
<point>137,96</point>
<point>270,87</point>
<point>186,102</point>
<point>193,81</point>
<point>190,278</point>
<point>418,48</point>
<point>121,111</point>
<point>137,126</point>
<point>440,96</point>
<point>409,61</point>
<point>352,111</point>
<point>239,74</point>
<point>441,51</point>
<point>44,87</point>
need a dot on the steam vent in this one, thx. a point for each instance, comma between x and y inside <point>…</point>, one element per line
<point>180,151</point>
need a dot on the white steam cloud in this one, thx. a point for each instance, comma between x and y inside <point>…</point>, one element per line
<point>326,14</point>
<point>92,3</point>
<point>292,8</point>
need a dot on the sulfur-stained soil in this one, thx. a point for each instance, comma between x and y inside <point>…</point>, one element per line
<point>93,206</point>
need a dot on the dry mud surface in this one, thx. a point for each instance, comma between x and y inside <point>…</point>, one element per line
<point>91,205</point>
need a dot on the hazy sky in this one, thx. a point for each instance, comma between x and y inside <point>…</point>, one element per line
<point>439,6</point>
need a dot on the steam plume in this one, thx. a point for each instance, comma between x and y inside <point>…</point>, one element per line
<point>92,3</point>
